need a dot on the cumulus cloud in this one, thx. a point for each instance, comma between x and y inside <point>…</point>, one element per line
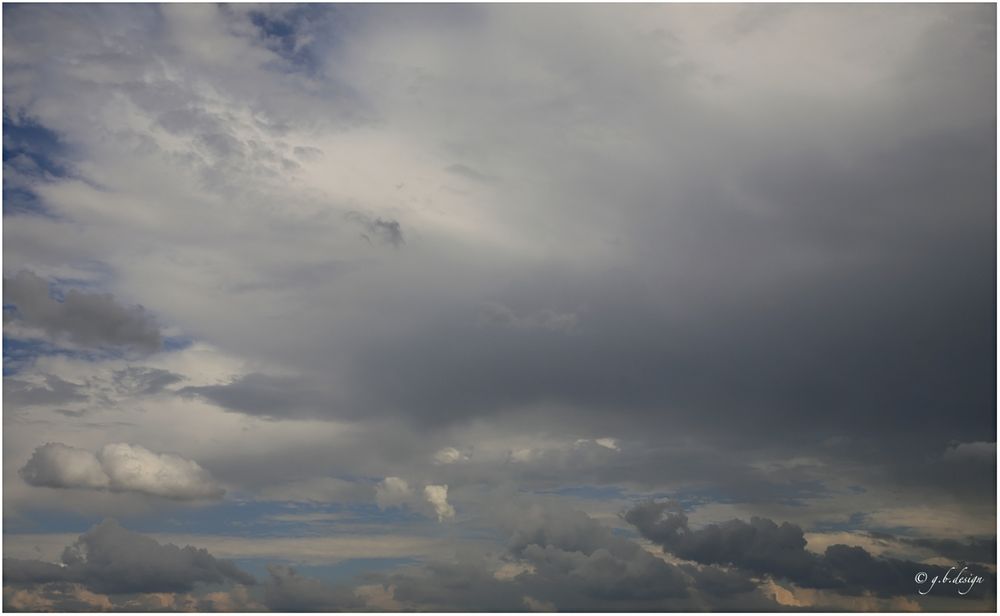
<point>135,468</point>
<point>86,318</point>
<point>111,559</point>
<point>397,492</point>
<point>119,467</point>
<point>393,492</point>
<point>56,465</point>
<point>437,496</point>
<point>567,560</point>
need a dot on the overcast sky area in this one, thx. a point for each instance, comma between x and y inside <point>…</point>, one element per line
<point>499,308</point>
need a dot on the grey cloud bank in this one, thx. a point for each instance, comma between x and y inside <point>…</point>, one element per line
<point>111,559</point>
<point>394,268</point>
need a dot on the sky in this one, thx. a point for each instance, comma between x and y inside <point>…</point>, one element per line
<point>499,307</point>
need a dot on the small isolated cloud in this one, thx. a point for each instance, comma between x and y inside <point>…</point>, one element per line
<point>119,467</point>
<point>606,442</point>
<point>609,443</point>
<point>396,492</point>
<point>387,231</point>
<point>393,492</point>
<point>111,559</point>
<point>85,318</point>
<point>437,496</point>
<point>449,455</point>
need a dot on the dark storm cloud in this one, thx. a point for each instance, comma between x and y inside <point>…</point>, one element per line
<point>728,239</point>
<point>878,333</point>
<point>853,302</point>
<point>568,561</point>
<point>91,319</point>
<point>763,547</point>
<point>110,559</point>
<point>832,295</point>
<point>973,549</point>
<point>760,546</point>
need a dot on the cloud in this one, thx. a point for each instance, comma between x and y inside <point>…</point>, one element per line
<point>111,559</point>
<point>55,465</point>
<point>393,492</point>
<point>137,380</point>
<point>972,550</point>
<point>563,558</point>
<point>385,231</point>
<point>397,492</point>
<point>89,319</point>
<point>287,591</point>
<point>606,442</point>
<point>135,468</point>
<point>449,455</point>
<point>55,390</point>
<point>976,451</point>
<point>763,547</point>
<point>678,225</point>
<point>265,395</point>
<point>119,467</point>
<point>437,496</point>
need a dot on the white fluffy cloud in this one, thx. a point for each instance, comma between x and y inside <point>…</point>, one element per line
<point>437,496</point>
<point>393,492</point>
<point>55,465</point>
<point>119,467</point>
<point>396,492</point>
